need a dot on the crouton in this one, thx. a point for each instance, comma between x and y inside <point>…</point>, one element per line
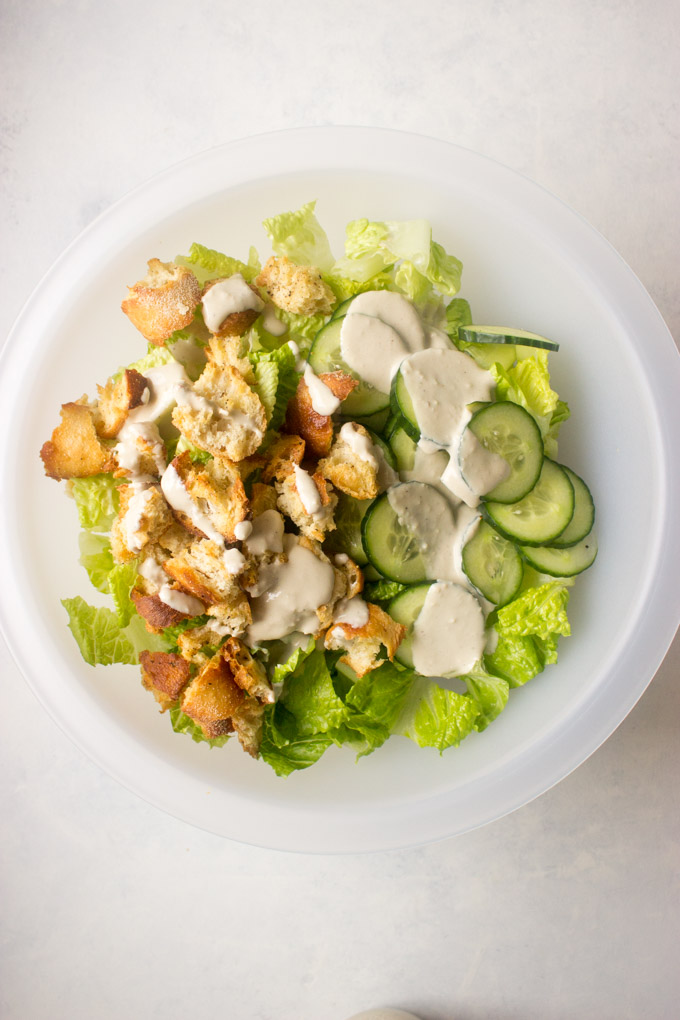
<point>247,671</point>
<point>306,499</point>
<point>163,302</point>
<point>75,451</point>
<point>230,350</point>
<point>298,289</point>
<point>193,640</point>
<point>212,697</point>
<point>143,516</point>
<point>348,471</point>
<point>353,576</point>
<point>164,674</point>
<point>116,400</point>
<point>230,291</point>
<point>247,721</point>
<point>282,455</point>
<point>362,644</point>
<point>157,615</point>
<point>217,489</point>
<point>201,571</point>
<point>230,421</point>
<point>301,418</point>
<point>262,498</point>
<point>140,451</point>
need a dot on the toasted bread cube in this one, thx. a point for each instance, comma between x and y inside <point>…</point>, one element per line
<point>218,490</point>
<point>163,302</point>
<point>348,471</point>
<point>142,518</point>
<point>116,400</point>
<point>75,450</point>
<point>362,644</point>
<point>312,525</point>
<point>301,418</point>
<point>262,498</point>
<point>247,671</point>
<point>157,615</point>
<point>200,570</point>
<point>298,289</point>
<point>284,453</point>
<point>212,697</point>
<point>236,323</point>
<point>247,721</point>
<point>231,421</point>
<point>164,674</point>
<point>142,452</point>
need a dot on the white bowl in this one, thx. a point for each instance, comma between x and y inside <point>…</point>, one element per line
<point>529,261</point>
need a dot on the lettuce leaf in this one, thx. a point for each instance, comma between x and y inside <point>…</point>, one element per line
<point>280,671</point>
<point>276,380</point>
<point>283,747</point>
<point>309,696</point>
<point>300,236</point>
<point>98,634</point>
<point>96,558</point>
<point>382,591</point>
<point>154,358</point>
<point>515,658</point>
<point>436,717</point>
<point>197,455</point>
<point>457,314</point>
<point>527,383</point>
<point>374,703</point>
<point>121,581</point>
<point>96,499</point>
<point>208,264</point>
<point>489,692</point>
<point>538,611</point>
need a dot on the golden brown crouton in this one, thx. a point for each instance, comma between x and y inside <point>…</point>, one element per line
<point>143,516</point>
<point>232,351</point>
<point>236,323</point>
<point>212,697</point>
<point>192,640</point>
<point>164,674</point>
<point>362,644</point>
<point>316,521</point>
<point>142,452</point>
<point>301,418</point>
<point>157,615</point>
<point>348,471</point>
<point>262,498</point>
<point>247,671</point>
<point>163,302</point>
<point>75,451</point>
<point>247,721</point>
<point>282,455</point>
<point>200,570</point>
<point>230,421</point>
<point>116,400</point>
<point>297,289</point>
<point>217,489</point>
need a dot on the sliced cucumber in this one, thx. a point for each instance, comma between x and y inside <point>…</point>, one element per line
<point>562,562</point>
<point>390,546</point>
<point>346,538</point>
<point>508,430</point>
<point>403,448</point>
<point>490,354</point>
<point>582,522</point>
<point>402,406</point>
<point>341,310</point>
<point>543,514</point>
<point>326,356</point>
<point>387,451</point>
<point>505,335</point>
<point>405,609</point>
<point>373,422</point>
<point>493,565</point>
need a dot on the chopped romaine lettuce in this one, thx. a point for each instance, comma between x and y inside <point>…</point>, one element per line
<point>96,558</point>
<point>97,501</point>
<point>208,264</point>
<point>300,237</point>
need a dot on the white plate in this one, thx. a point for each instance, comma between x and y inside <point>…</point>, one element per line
<point>529,261</point>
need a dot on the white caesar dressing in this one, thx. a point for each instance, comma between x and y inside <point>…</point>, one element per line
<point>396,311</point>
<point>164,381</point>
<point>242,530</point>
<point>226,297</point>
<point>324,401</point>
<point>307,491</point>
<point>295,590</point>
<point>180,601</point>
<point>448,634</point>
<point>352,612</point>
<point>271,321</point>
<point>481,469</point>
<point>359,443</point>
<point>429,464</point>
<point>372,349</point>
<point>266,535</point>
<point>129,452</point>
<point>300,362</point>
<point>136,507</point>
<point>178,497</point>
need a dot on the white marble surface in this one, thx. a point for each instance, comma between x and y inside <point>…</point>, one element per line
<point>567,908</point>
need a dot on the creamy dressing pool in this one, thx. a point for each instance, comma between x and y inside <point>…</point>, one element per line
<point>227,297</point>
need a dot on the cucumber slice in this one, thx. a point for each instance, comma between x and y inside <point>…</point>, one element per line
<point>493,565</point>
<point>542,514</point>
<point>490,354</point>
<point>346,538</point>
<point>402,406</point>
<point>562,562</point>
<point>505,335</point>
<point>511,432</point>
<point>403,449</point>
<point>326,356</point>
<point>389,546</point>
<point>405,609</point>
<point>582,522</point>
<point>373,422</point>
<point>387,452</point>
<point>341,310</point>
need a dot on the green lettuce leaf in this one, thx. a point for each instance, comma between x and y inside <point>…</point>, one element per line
<point>374,703</point>
<point>436,717</point>
<point>197,456</point>
<point>154,358</point>
<point>527,383</point>
<point>279,671</point>
<point>538,611</point>
<point>208,264</point>
<point>121,581</point>
<point>489,692</point>
<point>457,314</point>
<point>283,747</point>
<point>515,658</point>
<point>382,591</point>
<point>96,500</point>
<point>181,723</point>
<point>276,380</point>
<point>300,236</point>
<point>96,558</point>
<point>309,696</point>
<point>98,634</point>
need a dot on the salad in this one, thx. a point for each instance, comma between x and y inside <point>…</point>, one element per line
<point>326,507</point>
